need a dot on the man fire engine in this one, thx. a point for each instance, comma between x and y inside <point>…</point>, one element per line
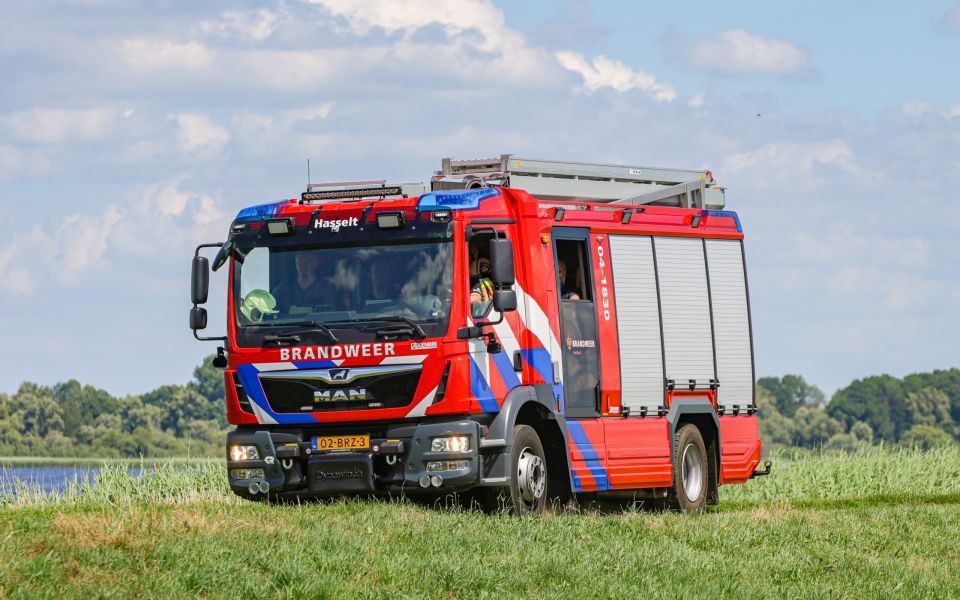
<point>613,353</point>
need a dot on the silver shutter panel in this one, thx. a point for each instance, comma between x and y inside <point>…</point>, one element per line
<point>638,321</point>
<point>685,302</point>
<point>731,322</point>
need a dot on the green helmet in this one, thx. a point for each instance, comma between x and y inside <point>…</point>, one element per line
<point>258,303</point>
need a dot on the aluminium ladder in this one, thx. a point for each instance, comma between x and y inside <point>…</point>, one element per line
<point>585,182</point>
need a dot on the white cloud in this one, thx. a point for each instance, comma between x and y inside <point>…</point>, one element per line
<point>147,54</point>
<point>455,17</point>
<point>255,25</point>
<point>793,163</point>
<point>606,72</point>
<point>697,101</point>
<point>739,52</point>
<point>59,125</point>
<point>197,134</point>
<point>73,249</point>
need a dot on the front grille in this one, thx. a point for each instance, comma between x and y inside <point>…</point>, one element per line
<point>318,390</point>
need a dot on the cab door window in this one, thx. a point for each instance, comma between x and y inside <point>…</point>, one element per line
<point>481,286</point>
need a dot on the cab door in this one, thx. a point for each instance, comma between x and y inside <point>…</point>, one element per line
<point>580,346</point>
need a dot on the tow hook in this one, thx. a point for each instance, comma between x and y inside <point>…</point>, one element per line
<point>765,471</point>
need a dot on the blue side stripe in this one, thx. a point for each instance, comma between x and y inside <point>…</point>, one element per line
<point>481,389</point>
<point>579,437</point>
<point>505,368</point>
<point>315,364</point>
<point>539,360</point>
<point>248,375</point>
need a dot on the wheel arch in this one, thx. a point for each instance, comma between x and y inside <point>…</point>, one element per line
<point>700,413</point>
<point>533,405</point>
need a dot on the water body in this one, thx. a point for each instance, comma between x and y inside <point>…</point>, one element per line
<point>48,479</point>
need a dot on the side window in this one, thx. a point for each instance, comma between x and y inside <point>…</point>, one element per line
<point>573,270</point>
<point>481,286</point>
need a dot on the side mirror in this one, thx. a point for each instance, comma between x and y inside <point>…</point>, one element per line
<point>501,262</point>
<point>199,280</point>
<point>198,318</point>
<point>223,255</point>
<point>504,300</point>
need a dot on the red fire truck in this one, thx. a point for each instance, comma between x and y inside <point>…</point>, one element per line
<point>520,329</point>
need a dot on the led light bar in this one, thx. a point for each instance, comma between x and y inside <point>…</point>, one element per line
<point>351,193</point>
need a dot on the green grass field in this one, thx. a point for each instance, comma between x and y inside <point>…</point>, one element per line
<point>876,523</point>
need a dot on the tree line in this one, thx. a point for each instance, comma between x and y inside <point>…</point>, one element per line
<point>74,420</point>
<point>922,409</point>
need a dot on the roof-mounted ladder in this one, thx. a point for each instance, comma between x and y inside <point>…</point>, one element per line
<point>585,182</point>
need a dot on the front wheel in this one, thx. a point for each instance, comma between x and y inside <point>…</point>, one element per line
<point>690,470</point>
<point>528,473</point>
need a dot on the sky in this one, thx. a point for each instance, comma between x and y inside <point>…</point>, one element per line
<point>132,131</point>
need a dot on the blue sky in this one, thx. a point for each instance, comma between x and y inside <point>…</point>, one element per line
<point>130,132</point>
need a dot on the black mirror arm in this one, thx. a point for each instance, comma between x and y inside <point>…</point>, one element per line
<point>476,330</point>
<point>222,338</point>
<point>199,337</point>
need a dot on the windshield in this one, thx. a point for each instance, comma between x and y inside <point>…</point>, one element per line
<point>309,292</point>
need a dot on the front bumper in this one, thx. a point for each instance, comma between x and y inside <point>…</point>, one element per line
<point>396,461</point>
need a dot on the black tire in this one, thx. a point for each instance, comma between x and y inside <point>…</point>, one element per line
<point>529,493</point>
<point>690,470</point>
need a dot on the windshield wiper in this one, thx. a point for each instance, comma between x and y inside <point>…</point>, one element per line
<point>414,326</point>
<point>304,326</point>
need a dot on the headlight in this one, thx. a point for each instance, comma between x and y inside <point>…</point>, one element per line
<point>238,453</point>
<point>453,443</point>
<point>247,474</point>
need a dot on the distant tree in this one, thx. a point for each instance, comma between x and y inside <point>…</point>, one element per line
<point>82,404</point>
<point>862,432</point>
<point>791,392</point>
<point>815,426</point>
<point>36,410</point>
<point>926,437</point>
<point>180,405</point>
<point>879,401</point>
<point>209,380</point>
<point>774,427</point>
<point>929,406</point>
<point>947,381</point>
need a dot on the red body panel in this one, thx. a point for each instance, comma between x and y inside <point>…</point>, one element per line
<point>739,448</point>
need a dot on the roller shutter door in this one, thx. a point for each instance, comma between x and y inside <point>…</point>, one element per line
<point>685,303</point>
<point>638,321</point>
<point>731,322</point>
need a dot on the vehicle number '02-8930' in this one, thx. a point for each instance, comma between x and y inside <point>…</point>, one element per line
<point>327,443</point>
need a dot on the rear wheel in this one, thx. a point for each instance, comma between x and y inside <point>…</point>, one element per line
<point>528,473</point>
<point>690,470</point>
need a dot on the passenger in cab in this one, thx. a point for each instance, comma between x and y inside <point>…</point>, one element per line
<point>567,292</point>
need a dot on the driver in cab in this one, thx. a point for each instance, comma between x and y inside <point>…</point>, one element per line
<point>308,290</point>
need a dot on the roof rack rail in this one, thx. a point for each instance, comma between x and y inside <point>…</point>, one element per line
<point>338,191</point>
<point>585,182</point>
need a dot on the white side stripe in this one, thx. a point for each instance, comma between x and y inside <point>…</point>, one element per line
<point>421,408</point>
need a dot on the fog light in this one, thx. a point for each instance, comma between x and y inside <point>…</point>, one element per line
<point>453,443</point>
<point>240,453</point>
<point>247,474</point>
<point>436,480</point>
<point>447,465</point>
<point>424,481</point>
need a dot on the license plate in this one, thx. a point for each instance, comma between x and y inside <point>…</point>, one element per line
<point>328,443</point>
